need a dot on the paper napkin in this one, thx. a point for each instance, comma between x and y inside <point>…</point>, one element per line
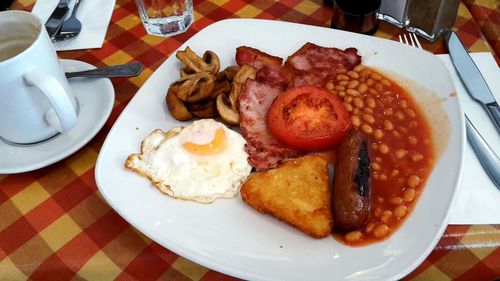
<point>478,200</point>
<point>94,16</point>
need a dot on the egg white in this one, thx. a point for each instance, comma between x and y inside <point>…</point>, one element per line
<point>181,174</point>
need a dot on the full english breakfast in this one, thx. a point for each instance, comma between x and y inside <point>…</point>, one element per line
<point>320,107</point>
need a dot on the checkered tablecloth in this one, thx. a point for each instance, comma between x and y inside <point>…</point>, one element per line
<point>54,225</point>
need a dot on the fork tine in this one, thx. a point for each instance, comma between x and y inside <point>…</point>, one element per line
<point>418,45</point>
<point>411,39</point>
<point>406,40</point>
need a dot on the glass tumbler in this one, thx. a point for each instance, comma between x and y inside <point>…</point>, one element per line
<point>165,17</point>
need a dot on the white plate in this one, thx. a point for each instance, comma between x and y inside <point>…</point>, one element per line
<point>95,98</point>
<point>232,238</point>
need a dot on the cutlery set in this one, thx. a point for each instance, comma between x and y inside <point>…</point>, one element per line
<point>478,89</point>
<point>60,29</point>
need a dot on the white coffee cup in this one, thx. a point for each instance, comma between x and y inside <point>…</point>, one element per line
<point>36,102</point>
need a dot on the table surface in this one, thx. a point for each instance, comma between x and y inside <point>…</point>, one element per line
<point>54,224</point>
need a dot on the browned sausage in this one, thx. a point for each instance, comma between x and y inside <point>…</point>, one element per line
<point>351,183</point>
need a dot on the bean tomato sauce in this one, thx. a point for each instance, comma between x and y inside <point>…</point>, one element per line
<point>401,149</point>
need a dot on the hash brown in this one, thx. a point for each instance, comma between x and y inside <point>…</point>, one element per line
<point>297,192</point>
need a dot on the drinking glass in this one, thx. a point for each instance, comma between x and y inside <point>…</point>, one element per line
<point>165,17</point>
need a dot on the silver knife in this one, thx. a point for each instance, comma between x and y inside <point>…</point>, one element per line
<point>56,19</point>
<point>472,78</point>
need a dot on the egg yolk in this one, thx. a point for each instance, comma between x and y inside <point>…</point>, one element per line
<point>215,146</point>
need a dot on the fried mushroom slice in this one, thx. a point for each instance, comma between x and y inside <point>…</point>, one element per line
<point>239,80</point>
<point>224,81</point>
<point>227,104</point>
<point>228,115</point>
<point>176,107</point>
<point>194,87</point>
<point>193,63</point>
<point>204,109</point>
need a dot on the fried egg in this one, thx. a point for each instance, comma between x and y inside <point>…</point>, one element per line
<point>201,162</point>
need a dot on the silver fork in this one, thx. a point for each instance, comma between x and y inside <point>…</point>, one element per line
<point>487,157</point>
<point>71,27</point>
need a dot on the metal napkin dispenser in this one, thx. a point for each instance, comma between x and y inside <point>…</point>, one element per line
<point>427,18</point>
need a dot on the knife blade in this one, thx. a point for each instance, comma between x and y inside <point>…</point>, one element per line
<point>472,78</point>
<point>56,19</point>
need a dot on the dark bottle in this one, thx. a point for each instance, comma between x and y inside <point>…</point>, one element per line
<point>356,15</point>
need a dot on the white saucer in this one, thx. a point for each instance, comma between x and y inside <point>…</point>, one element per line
<point>95,99</point>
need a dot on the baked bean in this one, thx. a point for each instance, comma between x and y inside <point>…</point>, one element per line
<point>413,181</point>
<point>339,88</point>
<point>411,112</point>
<point>381,231</point>
<point>380,199</point>
<point>383,148</point>
<point>365,72</point>
<point>400,115</point>
<point>369,118</point>
<point>388,125</point>
<point>369,227</point>
<point>378,134</point>
<point>376,76</point>
<point>343,83</point>
<point>413,124</point>
<point>375,166</point>
<point>341,93</point>
<point>348,99</point>
<point>417,157</point>
<point>367,128</point>
<point>352,92</point>
<point>412,140</point>
<point>397,200</point>
<point>403,103</point>
<point>341,77</point>
<point>379,87</point>
<point>370,82</point>
<point>353,236</point>
<point>409,194</point>
<point>402,130</point>
<point>383,177</point>
<point>330,85</point>
<point>374,146</point>
<point>358,102</point>
<point>368,110</point>
<point>355,111</point>
<point>359,68</point>
<point>385,82</point>
<point>362,88</point>
<point>400,211</point>
<point>370,102</point>
<point>386,216</point>
<point>347,106</point>
<point>356,121</point>
<point>353,74</point>
<point>353,84</point>
<point>396,134</point>
<point>400,153</point>
<point>377,213</point>
<point>378,159</point>
<point>394,172</point>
